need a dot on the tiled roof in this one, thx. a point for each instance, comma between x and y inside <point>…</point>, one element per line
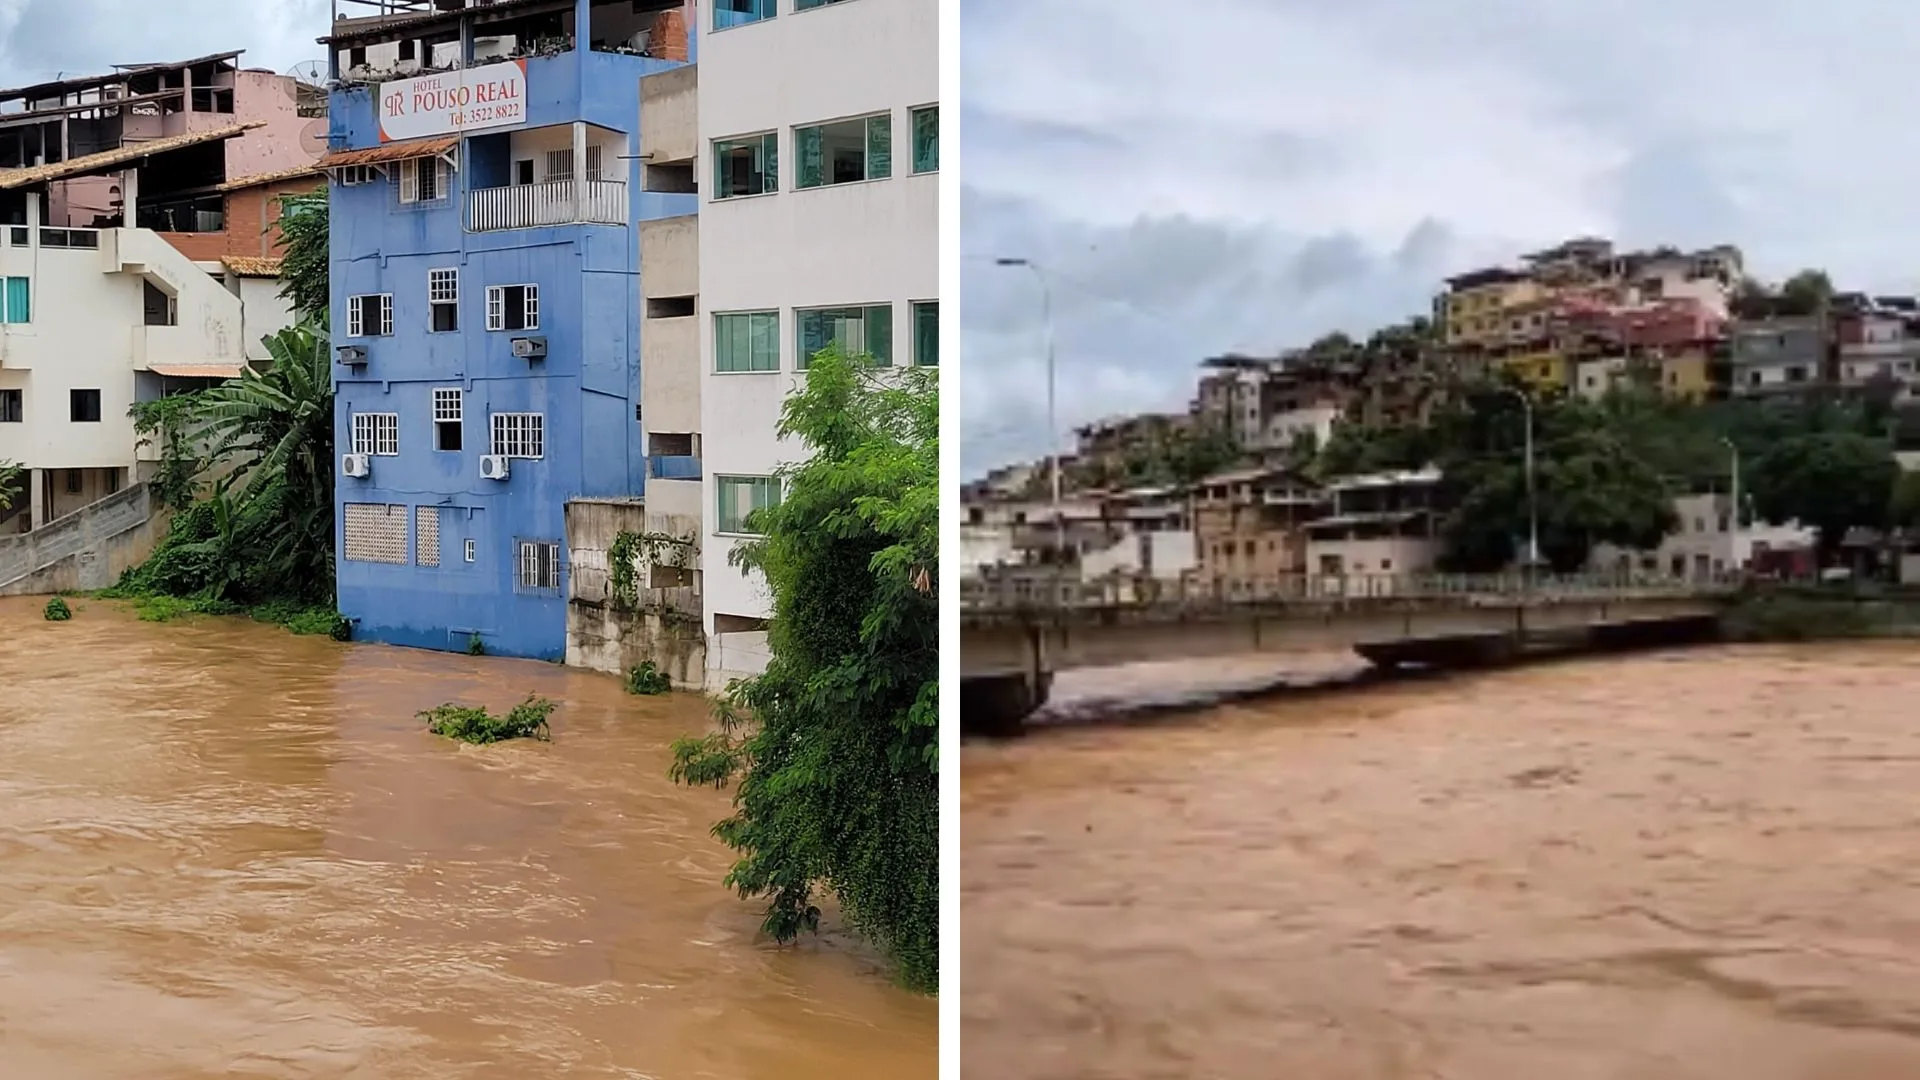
<point>107,160</point>
<point>259,179</point>
<point>257,266</point>
<point>393,151</point>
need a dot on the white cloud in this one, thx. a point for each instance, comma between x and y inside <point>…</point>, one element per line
<point>1252,173</point>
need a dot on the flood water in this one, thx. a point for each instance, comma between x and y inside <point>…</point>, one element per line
<point>229,852</point>
<point>1692,864</point>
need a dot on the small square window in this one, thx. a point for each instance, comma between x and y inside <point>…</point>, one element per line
<point>84,406</point>
<point>746,166</point>
<point>746,341</point>
<point>740,497</point>
<point>376,434</point>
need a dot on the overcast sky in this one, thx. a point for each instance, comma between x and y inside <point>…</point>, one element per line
<point>1248,174</point>
<point>48,39</point>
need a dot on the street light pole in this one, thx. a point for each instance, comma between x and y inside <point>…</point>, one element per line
<point>1053,421</point>
<point>1533,506</point>
<point>1739,559</point>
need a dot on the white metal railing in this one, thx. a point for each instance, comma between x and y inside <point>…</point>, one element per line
<point>1011,591</point>
<point>527,206</point>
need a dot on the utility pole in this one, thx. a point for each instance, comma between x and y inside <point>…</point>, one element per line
<point>1053,420</point>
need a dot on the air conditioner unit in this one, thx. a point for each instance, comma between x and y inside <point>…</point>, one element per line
<point>530,348</point>
<point>494,466</point>
<point>356,465</point>
<point>352,355</point>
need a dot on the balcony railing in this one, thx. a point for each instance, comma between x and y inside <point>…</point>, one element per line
<point>673,468</point>
<point>528,206</point>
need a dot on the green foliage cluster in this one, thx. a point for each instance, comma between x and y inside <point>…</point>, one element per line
<point>264,533</point>
<point>833,750</point>
<point>644,678</point>
<point>10,474</point>
<point>630,550</point>
<point>527,720</point>
<point>305,265</point>
<point>56,610</point>
<point>1607,471</point>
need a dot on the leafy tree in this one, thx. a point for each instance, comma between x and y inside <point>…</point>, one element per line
<point>9,483</point>
<point>266,530</point>
<point>306,259</point>
<point>1903,509</point>
<point>1805,292</point>
<point>1830,480</point>
<point>834,748</point>
<point>166,423</point>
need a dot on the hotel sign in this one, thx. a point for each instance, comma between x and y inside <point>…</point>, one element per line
<point>454,102</point>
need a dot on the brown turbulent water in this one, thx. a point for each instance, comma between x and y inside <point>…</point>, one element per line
<point>229,852</point>
<point>1696,864</point>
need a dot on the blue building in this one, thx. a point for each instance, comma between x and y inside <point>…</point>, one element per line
<point>485,199</point>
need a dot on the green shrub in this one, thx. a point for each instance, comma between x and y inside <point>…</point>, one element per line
<point>315,621</point>
<point>644,678</point>
<point>57,610</point>
<point>527,720</point>
<point>476,647</point>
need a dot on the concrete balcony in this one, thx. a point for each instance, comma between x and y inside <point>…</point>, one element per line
<point>670,373</point>
<point>668,127</point>
<point>670,256</point>
<point>532,206</point>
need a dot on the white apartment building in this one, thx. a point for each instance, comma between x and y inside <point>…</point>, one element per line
<point>819,222</point>
<point>92,320</point>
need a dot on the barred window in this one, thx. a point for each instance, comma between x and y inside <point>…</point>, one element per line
<point>519,435</point>
<point>376,433</point>
<point>539,565</point>
<point>375,532</point>
<point>423,180</point>
<point>426,535</point>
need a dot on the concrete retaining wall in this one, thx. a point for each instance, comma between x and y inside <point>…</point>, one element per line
<point>87,549</point>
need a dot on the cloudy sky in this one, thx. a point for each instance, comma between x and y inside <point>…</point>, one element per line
<point>47,39</point>
<point>1247,174</point>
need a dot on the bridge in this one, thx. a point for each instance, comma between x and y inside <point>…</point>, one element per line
<point>1016,633</point>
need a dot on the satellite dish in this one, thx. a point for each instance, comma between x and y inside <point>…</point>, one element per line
<point>313,137</point>
<point>309,72</point>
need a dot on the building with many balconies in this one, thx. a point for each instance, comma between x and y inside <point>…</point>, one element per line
<point>489,199</point>
<point>819,130</point>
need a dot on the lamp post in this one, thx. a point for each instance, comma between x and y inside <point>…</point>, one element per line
<point>1053,423</point>
<point>1739,557</point>
<point>1533,507</point>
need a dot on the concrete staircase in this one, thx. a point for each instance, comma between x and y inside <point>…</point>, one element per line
<point>87,549</point>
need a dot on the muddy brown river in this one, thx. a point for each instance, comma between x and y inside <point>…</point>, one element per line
<point>229,852</point>
<point>1686,865</point>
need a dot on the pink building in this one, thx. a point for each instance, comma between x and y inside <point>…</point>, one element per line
<point>213,120</point>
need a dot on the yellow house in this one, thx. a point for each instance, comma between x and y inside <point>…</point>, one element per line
<point>1686,374</point>
<point>1541,369</point>
<point>1474,305</point>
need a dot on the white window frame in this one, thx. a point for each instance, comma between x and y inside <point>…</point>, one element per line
<point>357,175</point>
<point>517,435</point>
<point>357,315</point>
<point>376,434</point>
<point>721,486</point>
<point>497,307</point>
<point>410,181</point>
<point>470,549</point>
<point>443,287</point>
<point>528,565</point>
<point>449,407</point>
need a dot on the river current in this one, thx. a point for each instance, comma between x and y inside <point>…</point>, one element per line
<point>227,851</point>
<point>1690,864</point>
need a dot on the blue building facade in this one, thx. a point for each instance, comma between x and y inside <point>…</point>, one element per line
<point>486,318</point>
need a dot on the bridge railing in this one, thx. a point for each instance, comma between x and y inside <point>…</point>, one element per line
<point>1030,591</point>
